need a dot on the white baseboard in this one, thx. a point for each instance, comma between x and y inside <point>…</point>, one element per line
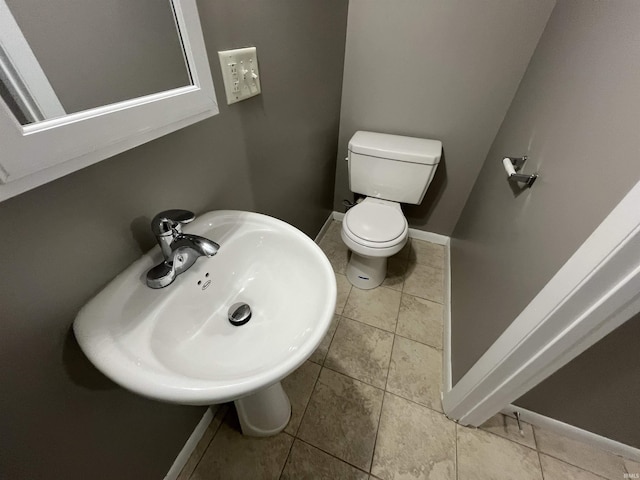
<point>429,236</point>
<point>338,216</point>
<point>325,227</point>
<point>191,444</point>
<point>447,382</point>
<point>584,436</point>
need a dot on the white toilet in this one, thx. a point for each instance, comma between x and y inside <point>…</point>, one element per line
<point>388,169</point>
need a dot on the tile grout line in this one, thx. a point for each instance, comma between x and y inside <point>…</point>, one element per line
<point>384,392</point>
<point>295,434</point>
<point>456,430</point>
<point>535,442</point>
<point>332,455</point>
<point>386,382</point>
<point>368,324</point>
<point>540,453</point>
<point>418,341</point>
<point>375,441</point>
<point>284,465</point>
<point>573,465</point>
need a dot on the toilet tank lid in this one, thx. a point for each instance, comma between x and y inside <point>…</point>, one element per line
<point>396,147</point>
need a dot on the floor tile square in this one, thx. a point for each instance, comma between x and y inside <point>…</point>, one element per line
<point>421,320</point>
<point>377,307</point>
<point>320,353</point>
<point>414,442</point>
<point>396,269</point>
<point>361,351</point>
<point>507,427</point>
<point>424,281</point>
<point>344,288</point>
<point>342,418</point>
<point>233,456</point>
<point>298,387</point>
<point>485,456</point>
<point>308,463</point>
<point>580,454</point>
<point>415,373</point>
<point>554,469</point>
<point>427,253</point>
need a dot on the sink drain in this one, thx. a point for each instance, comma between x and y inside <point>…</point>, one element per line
<point>239,314</point>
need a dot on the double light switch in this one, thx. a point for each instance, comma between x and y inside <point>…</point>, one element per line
<point>240,73</point>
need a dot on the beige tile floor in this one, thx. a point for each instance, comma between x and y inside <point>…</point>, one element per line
<point>367,403</point>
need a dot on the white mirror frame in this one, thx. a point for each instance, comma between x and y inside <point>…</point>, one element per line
<point>34,154</point>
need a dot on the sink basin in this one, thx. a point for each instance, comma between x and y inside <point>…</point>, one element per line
<point>176,344</point>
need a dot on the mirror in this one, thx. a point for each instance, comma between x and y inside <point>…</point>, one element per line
<point>68,56</point>
<point>83,81</point>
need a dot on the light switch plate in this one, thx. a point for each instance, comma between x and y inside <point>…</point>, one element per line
<point>240,73</point>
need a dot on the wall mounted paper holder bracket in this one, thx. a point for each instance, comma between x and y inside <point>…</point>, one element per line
<point>512,165</point>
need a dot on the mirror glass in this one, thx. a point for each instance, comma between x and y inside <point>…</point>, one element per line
<point>64,56</point>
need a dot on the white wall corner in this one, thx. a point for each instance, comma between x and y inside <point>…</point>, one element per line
<point>191,443</point>
<point>575,433</point>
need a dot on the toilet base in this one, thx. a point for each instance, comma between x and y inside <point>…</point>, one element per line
<point>366,272</point>
<point>265,413</point>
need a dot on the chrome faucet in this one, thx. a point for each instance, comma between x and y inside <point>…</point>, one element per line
<point>180,250</point>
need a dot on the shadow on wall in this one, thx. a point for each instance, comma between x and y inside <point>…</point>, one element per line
<point>141,232</point>
<point>79,369</point>
<point>418,215</point>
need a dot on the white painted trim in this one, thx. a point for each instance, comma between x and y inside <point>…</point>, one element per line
<point>594,292</point>
<point>569,431</point>
<point>446,330</point>
<point>413,233</point>
<point>324,228</point>
<point>429,237</point>
<point>191,443</point>
<point>35,154</point>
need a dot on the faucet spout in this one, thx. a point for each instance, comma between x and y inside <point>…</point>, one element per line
<point>180,250</point>
<point>202,246</point>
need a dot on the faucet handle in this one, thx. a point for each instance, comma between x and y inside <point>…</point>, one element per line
<point>169,221</point>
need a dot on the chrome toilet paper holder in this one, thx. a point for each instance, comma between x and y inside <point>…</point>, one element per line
<point>512,165</point>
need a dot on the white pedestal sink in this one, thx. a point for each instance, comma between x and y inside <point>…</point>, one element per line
<point>176,344</point>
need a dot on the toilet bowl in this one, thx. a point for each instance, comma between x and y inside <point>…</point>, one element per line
<point>373,230</point>
<point>387,170</point>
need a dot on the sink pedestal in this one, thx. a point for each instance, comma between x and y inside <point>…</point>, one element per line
<point>264,413</point>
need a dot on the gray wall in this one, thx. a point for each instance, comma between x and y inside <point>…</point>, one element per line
<point>98,53</point>
<point>62,242</point>
<point>443,69</point>
<point>576,116</point>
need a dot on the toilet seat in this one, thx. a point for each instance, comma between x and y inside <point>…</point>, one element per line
<point>376,224</point>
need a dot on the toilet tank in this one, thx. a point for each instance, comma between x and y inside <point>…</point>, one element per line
<point>392,167</point>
